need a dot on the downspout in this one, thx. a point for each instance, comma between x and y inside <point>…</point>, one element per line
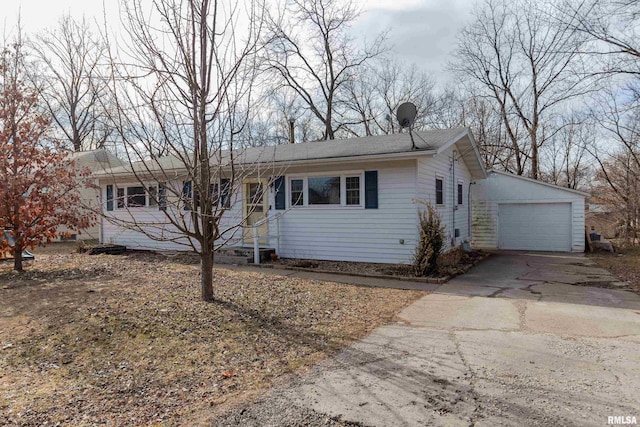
<point>101,214</point>
<point>455,199</point>
<point>469,208</point>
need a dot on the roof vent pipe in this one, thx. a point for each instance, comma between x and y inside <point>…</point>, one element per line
<point>292,123</point>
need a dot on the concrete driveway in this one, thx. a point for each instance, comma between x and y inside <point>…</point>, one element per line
<point>522,339</point>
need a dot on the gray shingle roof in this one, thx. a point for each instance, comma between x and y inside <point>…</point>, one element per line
<point>426,141</point>
<point>96,160</point>
<point>353,147</point>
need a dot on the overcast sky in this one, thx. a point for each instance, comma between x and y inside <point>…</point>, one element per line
<point>421,31</point>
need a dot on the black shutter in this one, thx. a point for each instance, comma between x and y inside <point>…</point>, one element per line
<point>225,200</point>
<point>109,197</point>
<point>280,193</point>
<point>215,194</point>
<point>439,191</point>
<point>371,189</point>
<point>186,195</point>
<point>162,196</point>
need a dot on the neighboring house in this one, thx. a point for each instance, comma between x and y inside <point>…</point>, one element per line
<point>95,161</point>
<point>357,199</point>
<point>516,213</point>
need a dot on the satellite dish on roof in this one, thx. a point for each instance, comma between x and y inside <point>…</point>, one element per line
<point>406,114</point>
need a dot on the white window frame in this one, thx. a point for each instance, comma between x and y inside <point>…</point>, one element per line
<point>460,182</point>
<point>289,188</point>
<point>125,187</point>
<point>444,191</point>
<point>343,189</point>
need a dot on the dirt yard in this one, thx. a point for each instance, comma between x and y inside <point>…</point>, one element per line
<point>125,340</point>
<point>625,265</point>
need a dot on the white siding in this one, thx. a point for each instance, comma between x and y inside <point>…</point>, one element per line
<point>120,230</point>
<point>488,194</point>
<point>357,234</point>
<point>452,215</point>
<point>89,197</point>
<point>386,234</point>
<point>160,234</point>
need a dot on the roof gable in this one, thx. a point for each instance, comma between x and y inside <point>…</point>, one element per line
<point>536,182</point>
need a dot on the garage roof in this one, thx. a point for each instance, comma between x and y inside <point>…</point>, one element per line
<point>535,181</point>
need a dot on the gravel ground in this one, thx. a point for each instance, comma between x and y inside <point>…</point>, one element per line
<point>279,411</point>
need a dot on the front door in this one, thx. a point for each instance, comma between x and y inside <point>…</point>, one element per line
<point>254,207</point>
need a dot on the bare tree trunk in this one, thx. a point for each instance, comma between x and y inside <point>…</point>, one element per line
<point>328,129</point>
<point>534,157</point>
<point>206,277</point>
<point>77,142</point>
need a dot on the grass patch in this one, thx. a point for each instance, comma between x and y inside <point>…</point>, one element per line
<point>115,340</point>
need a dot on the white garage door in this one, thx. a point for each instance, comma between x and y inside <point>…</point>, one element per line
<point>535,226</point>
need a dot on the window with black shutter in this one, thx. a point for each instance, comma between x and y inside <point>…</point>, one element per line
<point>439,191</point>
<point>280,193</point>
<point>371,189</point>
<point>109,197</point>
<point>225,193</point>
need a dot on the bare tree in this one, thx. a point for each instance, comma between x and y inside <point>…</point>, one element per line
<point>481,115</point>
<point>375,93</point>
<point>565,158</point>
<point>185,88</point>
<point>617,188</point>
<point>311,52</point>
<point>618,159</point>
<point>74,89</point>
<point>528,64</point>
<point>612,26</point>
<point>447,110</point>
<point>284,118</point>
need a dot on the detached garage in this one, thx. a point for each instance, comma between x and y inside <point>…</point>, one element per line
<point>511,212</point>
